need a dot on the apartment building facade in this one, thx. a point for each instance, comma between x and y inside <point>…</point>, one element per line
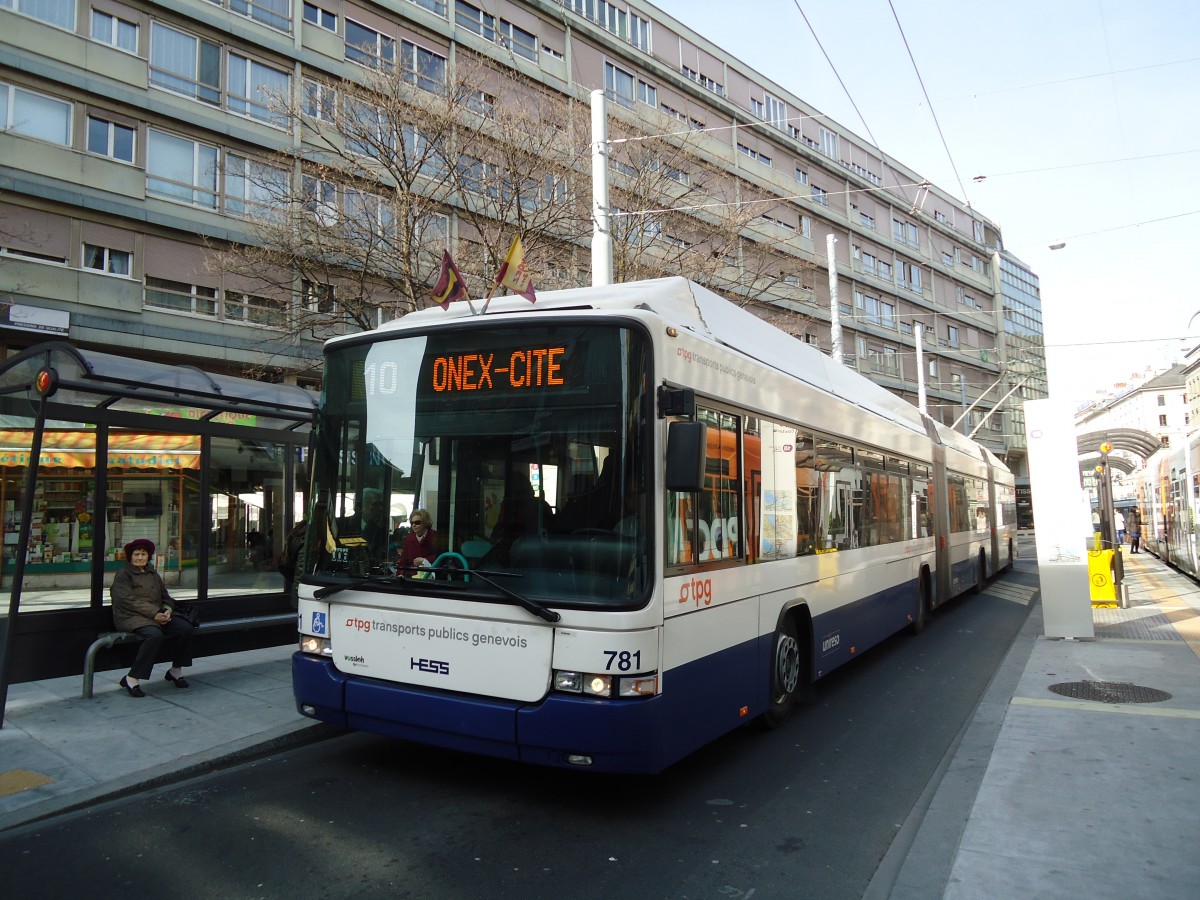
<point>135,136</point>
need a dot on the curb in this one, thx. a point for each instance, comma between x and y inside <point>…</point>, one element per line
<point>284,737</point>
<point>917,864</point>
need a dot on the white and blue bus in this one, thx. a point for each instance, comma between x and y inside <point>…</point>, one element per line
<point>656,517</point>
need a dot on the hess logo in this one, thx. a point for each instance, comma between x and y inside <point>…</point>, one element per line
<point>432,666</point>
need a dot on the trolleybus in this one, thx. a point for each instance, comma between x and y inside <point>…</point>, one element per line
<point>656,517</point>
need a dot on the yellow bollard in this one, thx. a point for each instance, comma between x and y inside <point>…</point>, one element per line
<point>1100,579</point>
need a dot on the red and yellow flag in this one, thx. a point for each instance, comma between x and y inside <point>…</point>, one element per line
<point>450,285</point>
<point>513,274</point>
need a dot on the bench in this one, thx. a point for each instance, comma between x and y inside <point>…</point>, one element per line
<point>112,638</point>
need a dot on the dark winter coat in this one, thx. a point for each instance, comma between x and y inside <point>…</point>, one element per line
<point>137,597</point>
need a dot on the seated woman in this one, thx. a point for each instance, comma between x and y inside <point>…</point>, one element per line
<point>141,604</point>
<point>421,545</point>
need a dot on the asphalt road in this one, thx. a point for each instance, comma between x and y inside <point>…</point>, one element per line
<point>807,811</point>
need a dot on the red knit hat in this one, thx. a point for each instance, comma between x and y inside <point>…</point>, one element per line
<point>139,544</point>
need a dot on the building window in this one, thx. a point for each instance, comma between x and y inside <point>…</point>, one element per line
<point>1162,420</point>
<point>1162,399</point>
<point>619,85</point>
<point>829,143</point>
<point>438,7</point>
<point>905,233</point>
<point>819,195</point>
<point>320,199</point>
<point>178,296</point>
<point>707,83</point>
<point>185,64</point>
<point>317,297</point>
<point>275,13</point>
<point>754,154</point>
<point>253,188</point>
<point>802,176</point>
<point>648,94</point>
<point>776,112</point>
<point>34,115</point>
<point>422,67</point>
<point>368,47</point>
<point>112,30</point>
<point>864,219</point>
<point>322,18</point>
<point>320,100</point>
<point>518,40</point>
<point>105,259</point>
<point>639,32</point>
<point>257,90</point>
<point>952,335</point>
<point>56,12</point>
<point>110,139</point>
<point>249,309</point>
<point>474,20</point>
<point>181,169</point>
<point>806,226</point>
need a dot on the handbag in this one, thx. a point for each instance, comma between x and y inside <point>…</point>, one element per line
<point>189,612</point>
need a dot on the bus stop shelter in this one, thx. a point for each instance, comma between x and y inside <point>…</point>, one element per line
<point>97,449</point>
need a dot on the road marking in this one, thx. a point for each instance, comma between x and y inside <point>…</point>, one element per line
<point>1016,593</point>
<point>1130,709</point>
<point>16,780</point>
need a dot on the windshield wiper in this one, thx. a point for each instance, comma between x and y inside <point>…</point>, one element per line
<point>378,576</point>
<point>538,609</point>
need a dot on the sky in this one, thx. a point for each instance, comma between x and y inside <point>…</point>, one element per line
<point>1083,116</point>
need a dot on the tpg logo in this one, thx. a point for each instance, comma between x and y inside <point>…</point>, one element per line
<point>698,591</point>
<point>432,666</point>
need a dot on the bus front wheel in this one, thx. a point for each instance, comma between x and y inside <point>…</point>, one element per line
<point>786,674</point>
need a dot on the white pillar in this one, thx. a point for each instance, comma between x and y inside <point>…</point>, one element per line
<point>919,334</point>
<point>835,319</point>
<point>602,251</point>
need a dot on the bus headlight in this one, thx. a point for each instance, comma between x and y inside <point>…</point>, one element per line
<point>317,646</point>
<point>638,686</point>
<point>598,685</point>
<point>570,682</point>
<point>601,685</point>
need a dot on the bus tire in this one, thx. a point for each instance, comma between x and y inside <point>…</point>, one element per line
<point>788,676</point>
<point>923,602</point>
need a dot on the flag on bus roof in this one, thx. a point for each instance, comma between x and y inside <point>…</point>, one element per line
<point>450,285</point>
<point>513,274</point>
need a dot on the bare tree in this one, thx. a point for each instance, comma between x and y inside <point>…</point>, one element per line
<point>355,221</point>
<point>675,213</point>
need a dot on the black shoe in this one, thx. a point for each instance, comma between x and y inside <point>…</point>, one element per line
<point>135,690</point>
<point>179,682</point>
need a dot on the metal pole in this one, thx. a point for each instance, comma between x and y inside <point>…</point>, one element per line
<point>835,318</point>
<point>602,249</point>
<point>8,623</point>
<point>919,334</point>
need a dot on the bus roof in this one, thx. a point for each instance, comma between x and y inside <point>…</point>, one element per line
<point>690,306</point>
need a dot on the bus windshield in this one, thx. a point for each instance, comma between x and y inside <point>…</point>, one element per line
<point>519,453</point>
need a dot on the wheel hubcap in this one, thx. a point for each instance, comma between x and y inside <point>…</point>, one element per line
<point>787,666</point>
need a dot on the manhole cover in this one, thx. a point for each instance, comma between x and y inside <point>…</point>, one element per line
<point>1109,692</point>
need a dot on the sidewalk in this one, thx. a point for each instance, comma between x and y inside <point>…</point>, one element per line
<point>60,752</point>
<point>1089,793</point>
<point>1043,795</point>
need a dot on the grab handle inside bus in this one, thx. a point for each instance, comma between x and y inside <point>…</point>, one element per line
<point>687,448</point>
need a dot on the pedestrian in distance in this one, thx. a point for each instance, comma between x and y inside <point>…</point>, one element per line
<point>141,604</point>
<point>1133,527</point>
<point>1120,523</point>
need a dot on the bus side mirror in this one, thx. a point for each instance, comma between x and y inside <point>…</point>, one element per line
<point>687,449</point>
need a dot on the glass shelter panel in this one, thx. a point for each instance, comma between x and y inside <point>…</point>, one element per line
<point>248,521</point>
